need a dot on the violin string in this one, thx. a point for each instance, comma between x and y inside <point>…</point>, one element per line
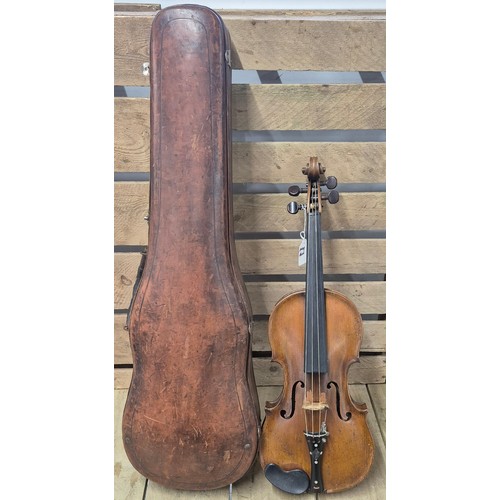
<point>313,292</point>
<point>306,309</point>
<point>311,302</point>
<point>323,303</point>
<point>323,319</point>
<point>319,268</point>
<point>316,397</point>
<point>321,299</point>
<point>316,216</point>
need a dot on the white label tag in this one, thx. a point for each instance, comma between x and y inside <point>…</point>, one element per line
<point>302,252</point>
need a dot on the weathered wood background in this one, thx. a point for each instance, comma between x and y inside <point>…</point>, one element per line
<point>267,236</point>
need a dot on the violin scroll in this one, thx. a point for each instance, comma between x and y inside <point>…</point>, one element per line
<point>313,169</point>
<point>315,175</point>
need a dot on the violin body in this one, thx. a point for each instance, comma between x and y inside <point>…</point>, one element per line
<point>315,437</point>
<point>348,451</point>
<point>191,420</point>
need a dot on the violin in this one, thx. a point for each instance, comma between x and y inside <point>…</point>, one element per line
<point>315,437</point>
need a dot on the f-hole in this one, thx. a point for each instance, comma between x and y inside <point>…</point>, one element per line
<point>348,414</point>
<point>292,411</point>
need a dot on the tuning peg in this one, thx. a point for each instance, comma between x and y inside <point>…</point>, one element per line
<point>331,182</point>
<point>333,197</point>
<point>296,190</point>
<point>292,207</point>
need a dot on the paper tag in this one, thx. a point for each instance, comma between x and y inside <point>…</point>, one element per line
<point>303,252</point>
<point>303,243</point>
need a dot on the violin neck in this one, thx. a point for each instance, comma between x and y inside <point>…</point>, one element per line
<point>315,359</point>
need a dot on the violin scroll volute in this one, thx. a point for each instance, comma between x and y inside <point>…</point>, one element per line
<point>313,169</point>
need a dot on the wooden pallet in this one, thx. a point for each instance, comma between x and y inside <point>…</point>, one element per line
<point>267,236</point>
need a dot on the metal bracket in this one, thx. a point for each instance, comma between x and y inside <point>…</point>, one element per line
<point>227,57</point>
<point>145,69</point>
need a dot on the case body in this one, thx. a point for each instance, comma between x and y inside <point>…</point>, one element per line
<point>191,420</point>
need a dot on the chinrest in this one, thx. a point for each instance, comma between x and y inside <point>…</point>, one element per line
<point>295,481</point>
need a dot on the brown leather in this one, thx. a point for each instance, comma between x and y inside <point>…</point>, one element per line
<point>191,420</point>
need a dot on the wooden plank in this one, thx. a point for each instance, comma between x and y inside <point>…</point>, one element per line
<point>281,162</point>
<point>287,107</point>
<point>252,213</point>
<point>123,355</point>
<point>129,484</point>
<point>131,39</point>
<point>370,370</point>
<point>267,212</point>
<point>126,266</point>
<point>132,139</point>
<point>373,338</point>
<point>122,378</point>
<point>307,41</point>
<point>290,40</point>
<point>308,107</point>
<point>373,486</point>
<point>264,162</point>
<point>278,256</point>
<point>156,491</point>
<point>252,162</point>
<point>131,206</point>
<point>368,296</point>
<point>340,256</point>
<point>377,395</point>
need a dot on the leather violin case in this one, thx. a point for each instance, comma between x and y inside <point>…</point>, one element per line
<point>191,420</point>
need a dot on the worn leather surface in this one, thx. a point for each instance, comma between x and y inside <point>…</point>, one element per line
<point>191,418</point>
